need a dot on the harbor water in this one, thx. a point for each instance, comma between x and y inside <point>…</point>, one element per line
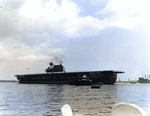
<point>47,99</point>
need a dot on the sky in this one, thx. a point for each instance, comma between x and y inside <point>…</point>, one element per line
<point>84,35</point>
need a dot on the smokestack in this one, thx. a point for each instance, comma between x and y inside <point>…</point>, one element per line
<point>56,60</point>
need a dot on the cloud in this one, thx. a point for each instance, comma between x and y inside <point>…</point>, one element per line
<point>127,14</point>
<point>49,16</point>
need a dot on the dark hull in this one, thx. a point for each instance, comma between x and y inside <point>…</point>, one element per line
<point>105,77</point>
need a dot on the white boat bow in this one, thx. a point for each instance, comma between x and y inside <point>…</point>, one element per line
<point>120,109</point>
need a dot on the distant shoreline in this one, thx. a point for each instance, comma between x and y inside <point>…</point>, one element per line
<point>9,81</point>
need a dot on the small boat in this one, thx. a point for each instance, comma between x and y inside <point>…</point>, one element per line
<point>81,81</point>
<point>96,86</point>
<point>133,82</point>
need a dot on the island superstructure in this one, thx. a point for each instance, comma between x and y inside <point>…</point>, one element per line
<point>55,74</point>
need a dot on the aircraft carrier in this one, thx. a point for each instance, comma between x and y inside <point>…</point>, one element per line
<point>55,74</point>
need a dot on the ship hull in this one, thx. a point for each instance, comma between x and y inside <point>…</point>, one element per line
<point>105,77</point>
<point>143,80</point>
